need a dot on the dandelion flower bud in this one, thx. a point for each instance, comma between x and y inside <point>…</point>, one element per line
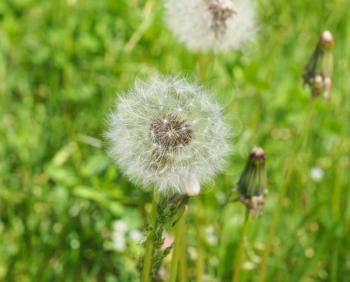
<point>319,70</point>
<point>211,25</point>
<point>253,182</point>
<point>168,133</point>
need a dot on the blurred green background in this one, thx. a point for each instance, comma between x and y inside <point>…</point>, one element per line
<point>66,211</point>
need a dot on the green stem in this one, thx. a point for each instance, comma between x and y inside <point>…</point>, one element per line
<point>290,165</point>
<point>204,64</point>
<point>239,256</point>
<point>183,263</point>
<point>199,245</point>
<point>179,228</point>
<point>147,262</point>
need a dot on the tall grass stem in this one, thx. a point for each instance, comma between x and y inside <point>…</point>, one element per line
<point>289,170</point>
<point>239,255</point>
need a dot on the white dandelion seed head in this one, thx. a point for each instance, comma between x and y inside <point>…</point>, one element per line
<point>168,133</point>
<point>205,25</point>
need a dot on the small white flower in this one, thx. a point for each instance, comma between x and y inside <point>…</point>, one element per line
<point>136,235</point>
<point>204,25</point>
<point>119,242</point>
<point>155,144</point>
<point>120,226</point>
<point>212,239</point>
<point>120,229</point>
<point>316,174</point>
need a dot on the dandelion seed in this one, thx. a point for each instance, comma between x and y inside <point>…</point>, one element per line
<point>211,25</point>
<point>157,145</point>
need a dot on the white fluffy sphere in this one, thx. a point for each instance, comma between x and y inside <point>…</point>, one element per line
<point>168,133</point>
<point>211,25</point>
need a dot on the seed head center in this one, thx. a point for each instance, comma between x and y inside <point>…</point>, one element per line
<point>221,11</point>
<point>169,132</point>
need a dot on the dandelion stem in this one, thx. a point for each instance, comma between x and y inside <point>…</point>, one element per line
<point>183,263</point>
<point>290,165</point>
<point>204,64</point>
<point>179,236</point>
<point>239,255</point>
<point>199,245</point>
<point>147,263</point>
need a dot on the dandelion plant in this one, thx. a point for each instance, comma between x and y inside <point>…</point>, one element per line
<point>170,134</point>
<point>251,188</point>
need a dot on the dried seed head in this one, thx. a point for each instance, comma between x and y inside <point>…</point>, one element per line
<point>252,185</point>
<point>168,133</point>
<point>211,25</point>
<point>221,11</point>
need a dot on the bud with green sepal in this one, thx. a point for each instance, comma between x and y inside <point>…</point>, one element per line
<point>319,70</point>
<point>252,185</point>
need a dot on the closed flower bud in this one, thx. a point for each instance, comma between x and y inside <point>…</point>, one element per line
<point>318,72</point>
<point>252,184</point>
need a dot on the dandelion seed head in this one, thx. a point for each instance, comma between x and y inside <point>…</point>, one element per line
<point>156,144</point>
<point>205,25</point>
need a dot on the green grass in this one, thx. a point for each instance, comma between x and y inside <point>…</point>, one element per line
<point>61,65</point>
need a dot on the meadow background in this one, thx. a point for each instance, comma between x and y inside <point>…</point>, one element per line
<point>66,211</point>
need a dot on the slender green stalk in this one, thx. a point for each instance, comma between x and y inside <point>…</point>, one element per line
<point>199,242</point>
<point>147,262</point>
<point>290,166</point>
<point>179,228</point>
<point>148,17</point>
<point>203,67</point>
<point>183,262</point>
<point>239,255</point>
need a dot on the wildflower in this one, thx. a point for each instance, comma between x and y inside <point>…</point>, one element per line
<point>319,70</point>
<point>253,182</point>
<point>136,235</point>
<point>316,174</point>
<point>169,133</point>
<point>120,229</point>
<point>211,237</point>
<point>205,25</point>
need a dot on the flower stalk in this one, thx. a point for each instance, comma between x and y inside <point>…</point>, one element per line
<point>179,236</point>
<point>239,255</point>
<point>148,258</point>
<point>251,188</point>
<point>289,170</point>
